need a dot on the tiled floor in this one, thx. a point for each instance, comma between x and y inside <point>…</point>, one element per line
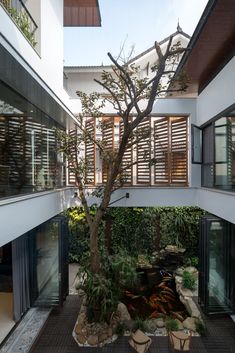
<point>56,336</point>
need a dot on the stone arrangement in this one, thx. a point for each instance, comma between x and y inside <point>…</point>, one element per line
<point>98,334</point>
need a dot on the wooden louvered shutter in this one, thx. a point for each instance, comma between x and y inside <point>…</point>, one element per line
<point>71,174</point>
<point>143,155</point>
<point>108,139</point>
<point>179,154</point>
<point>161,151</point>
<point>90,127</point>
<point>127,159</point>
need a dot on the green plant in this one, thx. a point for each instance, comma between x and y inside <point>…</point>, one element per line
<point>188,280</point>
<point>23,21</point>
<point>102,297</point>
<point>120,328</point>
<point>123,270</point>
<point>139,324</point>
<point>171,324</point>
<point>200,327</point>
<point>192,261</point>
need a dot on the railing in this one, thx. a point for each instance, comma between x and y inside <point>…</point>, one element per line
<point>23,19</point>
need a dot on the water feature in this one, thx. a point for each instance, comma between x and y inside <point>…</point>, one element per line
<point>154,296</point>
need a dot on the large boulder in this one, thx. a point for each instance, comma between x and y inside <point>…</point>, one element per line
<point>123,313</point>
<point>190,323</point>
<point>93,340</point>
<point>191,307</point>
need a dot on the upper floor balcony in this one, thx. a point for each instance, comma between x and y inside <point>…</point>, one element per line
<point>23,19</point>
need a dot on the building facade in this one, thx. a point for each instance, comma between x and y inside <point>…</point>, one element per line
<point>33,103</point>
<point>201,171</point>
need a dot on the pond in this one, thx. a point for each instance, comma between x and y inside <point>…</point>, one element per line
<point>154,296</point>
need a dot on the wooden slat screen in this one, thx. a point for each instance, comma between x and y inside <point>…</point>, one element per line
<point>90,127</point>
<point>143,155</point>
<point>161,151</point>
<point>127,160</point>
<point>108,139</point>
<point>169,149</point>
<point>179,153</point>
<point>71,174</point>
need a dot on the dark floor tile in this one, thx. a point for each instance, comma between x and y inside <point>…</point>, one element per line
<point>56,336</point>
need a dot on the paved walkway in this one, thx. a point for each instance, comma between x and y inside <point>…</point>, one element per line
<point>56,336</point>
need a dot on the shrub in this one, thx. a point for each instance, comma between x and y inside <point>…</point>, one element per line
<point>102,297</point>
<point>200,327</point>
<point>192,261</point>
<point>171,324</point>
<point>120,328</point>
<point>188,280</point>
<point>139,324</point>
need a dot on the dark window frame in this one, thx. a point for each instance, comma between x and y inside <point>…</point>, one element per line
<point>193,127</point>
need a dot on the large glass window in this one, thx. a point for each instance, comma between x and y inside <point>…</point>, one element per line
<point>48,262</point>
<point>219,144</point>
<point>29,160</point>
<point>216,265</point>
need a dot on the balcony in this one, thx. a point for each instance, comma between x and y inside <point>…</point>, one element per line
<point>22,18</point>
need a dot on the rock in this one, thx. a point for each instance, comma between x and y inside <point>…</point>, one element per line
<point>103,337</point>
<point>191,307</point>
<point>110,332</point>
<point>81,338</point>
<point>185,292</point>
<point>81,318</point>
<point>160,323</point>
<point>123,312</point>
<point>174,249</point>
<point>93,340</point>
<point>179,271</point>
<point>153,324</point>
<point>191,270</point>
<point>178,279</point>
<point>78,328</point>
<point>189,323</point>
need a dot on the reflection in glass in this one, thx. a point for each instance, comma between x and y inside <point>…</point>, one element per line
<point>219,170</point>
<point>218,299</point>
<point>28,158</point>
<point>196,144</point>
<point>47,263</point>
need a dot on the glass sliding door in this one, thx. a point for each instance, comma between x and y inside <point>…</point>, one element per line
<point>223,153</point>
<point>49,275</point>
<point>215,265</point>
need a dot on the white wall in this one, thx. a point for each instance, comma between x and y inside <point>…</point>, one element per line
<point>84,81</point>
<point>49,65</point>
<point>20,214</point>
<point>218,95</point>
<point>152,197</point>
<point>217,202</point>
<point>149,197</point>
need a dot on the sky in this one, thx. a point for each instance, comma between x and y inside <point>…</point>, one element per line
<point>129,23</point>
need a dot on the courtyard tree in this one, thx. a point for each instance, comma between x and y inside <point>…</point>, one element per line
<point>131,97</point>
